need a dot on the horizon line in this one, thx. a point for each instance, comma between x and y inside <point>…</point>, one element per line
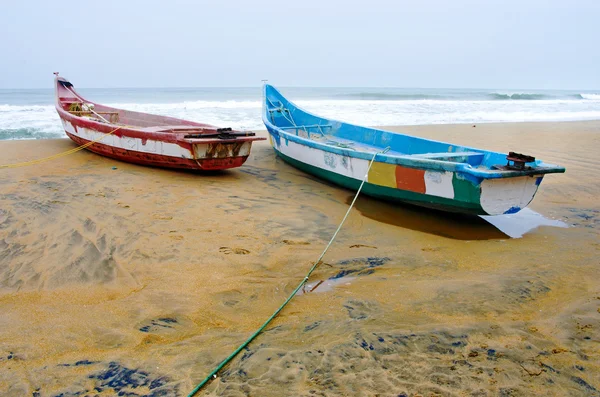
<point>306,86</point>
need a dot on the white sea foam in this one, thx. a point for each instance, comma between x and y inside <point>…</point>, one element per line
<point>38,121</point>
<point>192,105</point>
<point>595,97</point>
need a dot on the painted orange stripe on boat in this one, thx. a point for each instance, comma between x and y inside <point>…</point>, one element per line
<point>410,179</point>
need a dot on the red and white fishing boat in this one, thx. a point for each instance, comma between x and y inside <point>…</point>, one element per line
<point>149,139</point>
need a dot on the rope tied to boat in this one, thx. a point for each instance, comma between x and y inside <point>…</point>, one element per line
<point>213,374</point>
<point>283,110</point>
<point>59,155</point>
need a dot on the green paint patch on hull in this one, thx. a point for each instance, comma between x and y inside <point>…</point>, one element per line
<point>467,202</point>
<point>465,190</point>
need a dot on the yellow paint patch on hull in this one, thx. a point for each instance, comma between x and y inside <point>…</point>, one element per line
<point>383,174</point>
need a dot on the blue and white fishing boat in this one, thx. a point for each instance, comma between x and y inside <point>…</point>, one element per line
<point>413,170</point>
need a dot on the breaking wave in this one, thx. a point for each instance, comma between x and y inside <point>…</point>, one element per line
<point>520,97</point>
<point>29,133</point>
<point>388,96</point>
<point>474,95</point>
<point>595,97</point>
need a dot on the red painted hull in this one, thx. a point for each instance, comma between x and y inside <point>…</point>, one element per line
<point>157,160</point>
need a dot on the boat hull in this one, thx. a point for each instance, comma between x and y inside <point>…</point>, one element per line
<point>159,160</point>
<point>158,153</point>
<point>447,191</point>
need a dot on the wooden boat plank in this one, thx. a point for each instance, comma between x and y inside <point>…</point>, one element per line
<point>447,155</point>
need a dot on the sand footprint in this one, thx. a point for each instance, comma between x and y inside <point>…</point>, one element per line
<point>158,325</point>
<point>295,242</point>
<point>431,249</point>
<point>362,246</point>
<point>162,217</point>
<point>237,251</point>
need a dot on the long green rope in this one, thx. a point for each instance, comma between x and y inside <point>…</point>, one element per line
<point>304,280</point>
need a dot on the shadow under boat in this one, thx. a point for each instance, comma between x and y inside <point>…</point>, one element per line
<point>440,223</point>
<point>452,225</point>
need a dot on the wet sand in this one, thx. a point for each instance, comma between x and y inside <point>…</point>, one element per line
<point>140,281</point>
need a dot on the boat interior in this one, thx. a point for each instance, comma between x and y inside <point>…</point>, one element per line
<point>75,104</point>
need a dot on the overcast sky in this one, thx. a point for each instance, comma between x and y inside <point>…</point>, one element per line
<point>421,43</point>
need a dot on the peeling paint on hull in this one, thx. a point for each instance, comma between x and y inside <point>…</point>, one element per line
<point>446,191</point>
<point>157,160</point>
<point>387,193</point>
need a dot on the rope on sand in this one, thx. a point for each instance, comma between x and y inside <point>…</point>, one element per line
<point>59,155</point>
<point>213,374</point>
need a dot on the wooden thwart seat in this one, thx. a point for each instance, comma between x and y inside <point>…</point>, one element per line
<point>448,155</point>
<point>88,112</point>
<point>178,128</point>
<point>316,129</point>
<point>293,127</point>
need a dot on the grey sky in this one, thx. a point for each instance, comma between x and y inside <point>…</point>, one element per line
<point>421,43</point>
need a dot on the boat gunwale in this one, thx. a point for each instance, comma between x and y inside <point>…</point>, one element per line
<point>404,160</point>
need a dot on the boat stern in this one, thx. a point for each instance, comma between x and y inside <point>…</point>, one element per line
<point>221,155</point>
<point>508,195</point>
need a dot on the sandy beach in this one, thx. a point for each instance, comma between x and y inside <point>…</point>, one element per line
<point>121,278</point>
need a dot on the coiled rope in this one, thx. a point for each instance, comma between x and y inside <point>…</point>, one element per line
<point>59,155</point>
<point>304,281</point>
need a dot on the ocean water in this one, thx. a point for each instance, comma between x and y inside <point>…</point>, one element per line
<point>30,114</point>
